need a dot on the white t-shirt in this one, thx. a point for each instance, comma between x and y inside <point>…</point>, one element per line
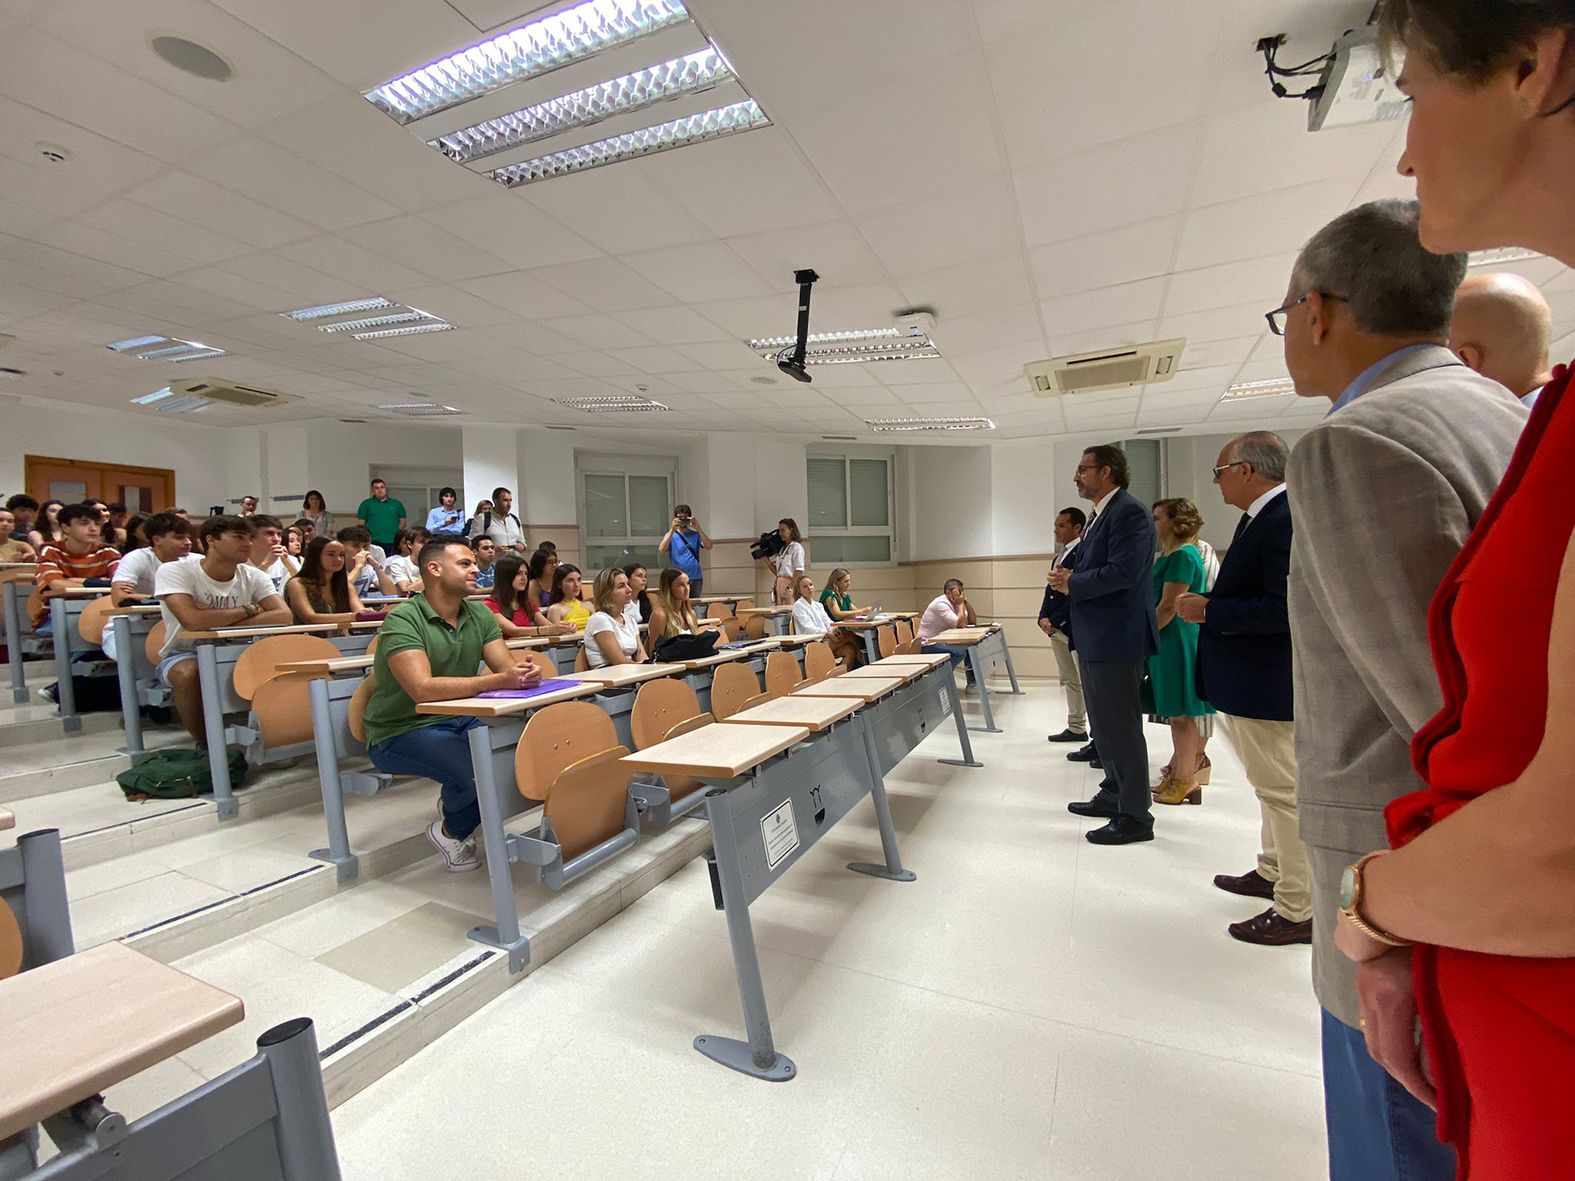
<point>250,585</point>
<point>940,616</point>
<point>810,618</point>
<point>631,613</point>
<point>366,581</point>
<point>278,573</point>
<point>789,560</point>
<point>402,569</point>
<point>139,568</point>
<point>628,635</point>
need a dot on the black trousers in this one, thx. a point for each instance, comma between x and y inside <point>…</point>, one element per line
<point>1112,693</point>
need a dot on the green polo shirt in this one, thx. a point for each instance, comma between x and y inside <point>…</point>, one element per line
<point>451,651</point>
<point>382,518</point>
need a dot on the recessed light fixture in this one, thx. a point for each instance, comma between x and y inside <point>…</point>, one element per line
<point>407,330</point>
<point>164,348</point>
<point>190,58</point>
<point>323,311</point>
<point>617,404</point>
<point>1273,388</point>
<point>539,47</point>
<point>846,348</point>
<point>760,343</point>
<point>888,425</point>
<point>690,74</point>
<point>647,141</point>
<point>1501,255</point>
<point>420,409</point>
<point>165,402</point>
<point>1160,430</point>
<point>407,316</point>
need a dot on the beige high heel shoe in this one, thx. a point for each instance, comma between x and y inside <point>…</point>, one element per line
<point>1178,791</point>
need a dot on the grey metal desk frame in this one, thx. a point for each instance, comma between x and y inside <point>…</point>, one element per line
<point>33,885</point>
<point>64,614</point>
<point>983,656</point>
<point>908,716</point>
<point>20,640</point>
<point>138,675</point>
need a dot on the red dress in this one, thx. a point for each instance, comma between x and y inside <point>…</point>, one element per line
<point>1500,1030</point>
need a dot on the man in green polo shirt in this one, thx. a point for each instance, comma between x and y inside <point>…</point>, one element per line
<point>429,649</point>
<point>382,516</point>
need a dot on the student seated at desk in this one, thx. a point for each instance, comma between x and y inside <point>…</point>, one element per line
<point>428,649</point>
<point>517,615</point>
<point>24,511</point>
<point>223,589</point>
<point>169,540</point>
<point>567,606</point>
<point>268,550</point>
<point>365,571</point>
<point>810,619</point>
<point>540,573</point>
<point>609,636</point>
<point>485,551</point>
<point>321,592</point>
<point>671,612</point>
<point>837,598</point>
<point>947,610</point>
<point>12,548</point>
<point>639,608</point>
<point>401,564</point>
<point>80,555</point>
<point>46,526</point>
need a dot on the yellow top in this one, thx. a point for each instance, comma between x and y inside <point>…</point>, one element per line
<point>577,614</point>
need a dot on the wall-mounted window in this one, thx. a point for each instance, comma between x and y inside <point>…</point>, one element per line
<point>1146,464</point>
<point>850,510</point>
<point>626,505</point>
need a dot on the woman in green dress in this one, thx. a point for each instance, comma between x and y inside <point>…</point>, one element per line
<point>1172,670</point>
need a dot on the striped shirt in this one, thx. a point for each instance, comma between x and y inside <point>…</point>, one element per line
<point>56,561</point>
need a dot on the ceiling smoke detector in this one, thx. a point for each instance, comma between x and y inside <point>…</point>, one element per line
<point>54,153</point>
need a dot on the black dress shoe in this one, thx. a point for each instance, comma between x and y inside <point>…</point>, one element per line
<point>1122,830</point>
<point>1069,736</point>
<point>1271,929</point>
<point>1251,884</point>
<point>1083,754</point>
<point>1096,765</point>
<point>1105,805</point>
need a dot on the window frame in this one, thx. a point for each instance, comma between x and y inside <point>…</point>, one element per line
<point>622,467</point>
<point>888,456</point>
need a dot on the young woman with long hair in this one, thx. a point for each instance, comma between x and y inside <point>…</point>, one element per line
<point>671,612</point>
<point>609,636</point>
<point>321,592</point>
<point>566,605</point>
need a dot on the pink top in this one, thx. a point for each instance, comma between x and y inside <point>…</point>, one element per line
<point>938,617</point>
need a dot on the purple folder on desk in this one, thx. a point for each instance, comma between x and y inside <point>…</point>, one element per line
<point>548,686</point>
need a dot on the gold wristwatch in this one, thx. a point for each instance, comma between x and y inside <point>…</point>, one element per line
<point>1351,904</point>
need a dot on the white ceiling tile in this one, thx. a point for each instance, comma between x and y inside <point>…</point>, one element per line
<point>523,294</point>
<point>594,363</point>
<point>1014,327</point>
<point>697,273</point>
<point>1124,304</point>
<point>149,227</point>
<point>427,249</point>
<point>836,251</point>
<point>723,356</point>
<point>508,226</point>
<point>1264,224</point>
<point>603,283</point>
<point>59,270</point>
<point>979,223</point>
<point>94,243</point>
<point>601,332</point>
<point>268,173</point>
<point>345,260</point>
<point>1257,279</point>
<point>1216,324</point>
<point>1094,339</point>
<point>203,203</point>
<point>744,184</point>
<point>451,304</point>
<point>927,371</point>
<point>1134,252</point>
<point>238,288</point>
<point>1208,354</point>
<point>617,208</point>
<point>673,325</point>
<point>980,286</point>
<point>653,359</point>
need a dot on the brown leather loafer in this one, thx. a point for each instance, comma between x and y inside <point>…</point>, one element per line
<point>1271,929</point>
<point>1251,884</point>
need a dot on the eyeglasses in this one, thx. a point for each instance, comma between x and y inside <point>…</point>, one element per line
<point>1278,316</point>
<point>1225,467</point>
<point>1089,467</point>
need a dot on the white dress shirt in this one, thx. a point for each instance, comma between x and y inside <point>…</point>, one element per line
<point>1263,501</point>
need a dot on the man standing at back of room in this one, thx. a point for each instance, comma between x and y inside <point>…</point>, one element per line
<point>428,649</point>
<point>501,524</point>
<point>1244,672</point>
<point>1384,492</point>
<point>1055,620</point>
<point>381,516</point>
<point>1501,329</point>
<point>1113,620</point>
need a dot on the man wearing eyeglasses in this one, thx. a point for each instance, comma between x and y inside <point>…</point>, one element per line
<point>1384,492</point>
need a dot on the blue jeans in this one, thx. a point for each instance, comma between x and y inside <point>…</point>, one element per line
<point>958,654</point>
<point>1377,1131</point>
<point>440,751</point>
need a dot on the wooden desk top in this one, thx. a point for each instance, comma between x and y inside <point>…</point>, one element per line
<point>363,625</point>
<point>783,642</point>
<point>80,1025</point>
<point>623,674</point>
<point>350,664</point>
<point>707,600</point>
<point>136,609</point>
<point>7,820</point>
<point>9,566</point>
<point>711,661</point>
<point>862,688</point>
<point>18,574</point>
<point>718,751</point>
<point>502,707</point>
<point>745,612</point>
<point>815,713</point>
<point>924,660</point>
<point>864,624</point>
<point>83,592</point>
<point>247,633</point>
<point>905,672</point>
<point>964,636</point>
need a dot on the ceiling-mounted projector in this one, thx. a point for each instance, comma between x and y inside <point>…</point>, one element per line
<point>791,361</point>
<point>1355,87</point>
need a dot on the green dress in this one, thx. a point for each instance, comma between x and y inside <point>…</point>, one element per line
<point>1172,671</point>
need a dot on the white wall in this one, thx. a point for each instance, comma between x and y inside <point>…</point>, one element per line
<point>342,456</point>
<point>547,483</point>
<point>1189,463</point>
<point>1027,489</point>
<point>198,455</point>
<point>781,485</point>
<point>491,460</point>
<point>950,502</point>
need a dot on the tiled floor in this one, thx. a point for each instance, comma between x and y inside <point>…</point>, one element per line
<point>1032,1007</point>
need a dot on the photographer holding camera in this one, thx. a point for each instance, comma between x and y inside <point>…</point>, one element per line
<point>784,559</point>
<point>683,542</point>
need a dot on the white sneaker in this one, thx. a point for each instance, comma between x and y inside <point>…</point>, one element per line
<point>460,855</point>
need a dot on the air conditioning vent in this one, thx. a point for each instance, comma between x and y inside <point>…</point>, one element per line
<point>1106,369</point>
<point>228,392</point>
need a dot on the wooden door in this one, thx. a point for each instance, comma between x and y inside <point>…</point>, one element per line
<point>140,489</point>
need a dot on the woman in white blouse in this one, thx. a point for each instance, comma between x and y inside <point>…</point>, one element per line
<point>810,619</point>
<point>610,638</point>
<point>788,563</point>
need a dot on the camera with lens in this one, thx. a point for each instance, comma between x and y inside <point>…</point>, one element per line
<point>769,545</point>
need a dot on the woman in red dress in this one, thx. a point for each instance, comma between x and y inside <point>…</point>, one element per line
<point>1482,877</point>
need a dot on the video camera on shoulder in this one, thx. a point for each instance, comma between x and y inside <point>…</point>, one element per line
<point>769,545</point>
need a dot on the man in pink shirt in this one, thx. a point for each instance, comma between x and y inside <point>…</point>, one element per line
<point>947,610</point>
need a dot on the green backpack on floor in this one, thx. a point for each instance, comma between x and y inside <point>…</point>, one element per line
<point>176,774</point>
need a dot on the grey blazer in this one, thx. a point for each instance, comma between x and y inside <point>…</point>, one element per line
<point>1384,494</point>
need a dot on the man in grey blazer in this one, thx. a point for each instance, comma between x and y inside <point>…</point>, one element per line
<point>1384,492</point>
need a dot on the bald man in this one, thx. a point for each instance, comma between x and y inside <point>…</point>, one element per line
<point>1501,329</point>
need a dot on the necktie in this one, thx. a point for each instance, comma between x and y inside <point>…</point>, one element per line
<point>1241,527</point>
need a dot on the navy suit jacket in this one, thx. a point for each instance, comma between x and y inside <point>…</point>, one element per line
<point>1244,645</point>
<point>1056,607</point>
<point>1112,588</point>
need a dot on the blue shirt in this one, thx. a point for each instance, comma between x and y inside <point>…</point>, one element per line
<point>684,550</point>
<point>484,577</point>
<point>445,520</point>
<point>1365,378</point>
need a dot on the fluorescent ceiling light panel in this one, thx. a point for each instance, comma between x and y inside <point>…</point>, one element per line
<point>570,35</point>
<point>690,74</point>
<point>777,342</point>
<point>407,330</point>
<point>846,348</point>
<point>888,425</point>
<point>677,133</point>
<point>360,325</point>
<point>618,404</point>
<point>323,311</point>
<point>1501,255</point>
<point>420,409</point>
<point>155,396</point>
<point>1273,388</point>
<point>165,348</point>
<point>164,403</point>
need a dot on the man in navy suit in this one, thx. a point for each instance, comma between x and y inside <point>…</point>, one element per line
<point>1115,631</point>
<point>1244,671</point>
<point>1055,620</point>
